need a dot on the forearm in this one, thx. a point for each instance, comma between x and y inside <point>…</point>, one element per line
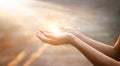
<point>96,57</point>
<point>106,49</point>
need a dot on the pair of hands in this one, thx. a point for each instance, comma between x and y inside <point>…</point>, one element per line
<point>65,37</point>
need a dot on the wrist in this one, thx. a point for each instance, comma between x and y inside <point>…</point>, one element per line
<point>72,39</point>
<point>75,40</point>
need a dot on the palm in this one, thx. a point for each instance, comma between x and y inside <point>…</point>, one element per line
<point>49,37</point>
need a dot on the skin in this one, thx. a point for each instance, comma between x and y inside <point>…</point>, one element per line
<point>98,53</point>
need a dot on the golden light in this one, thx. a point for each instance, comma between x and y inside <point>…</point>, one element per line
<point>55,30</point>
<point>30,14</point>
<point>10,4</point>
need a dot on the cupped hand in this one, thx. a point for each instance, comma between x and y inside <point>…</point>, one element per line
<point>56,39</point>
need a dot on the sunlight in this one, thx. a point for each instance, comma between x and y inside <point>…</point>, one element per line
<point>35,55</point>
<point>9,3</point>
<point>18,59</point>
<point>53,27</point>
<point>55,30</point>
<point>30,15</point>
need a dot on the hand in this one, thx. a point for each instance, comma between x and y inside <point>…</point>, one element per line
<point>56,39</point>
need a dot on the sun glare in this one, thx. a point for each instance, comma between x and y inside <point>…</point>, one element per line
<point>54,29</point>
<point>9,3</point>
<point>32,16</point>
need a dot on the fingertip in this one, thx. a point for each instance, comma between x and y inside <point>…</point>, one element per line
<point>37,35</point>
<point>36,32</point>
<point>40,30</point>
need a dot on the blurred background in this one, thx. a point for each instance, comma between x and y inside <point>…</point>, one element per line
<point>20,19</point>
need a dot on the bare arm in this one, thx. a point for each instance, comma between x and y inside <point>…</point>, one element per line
<point>93,55</point>
<point>96,57</point>
<point>104,48</point>
<point>117,47</point>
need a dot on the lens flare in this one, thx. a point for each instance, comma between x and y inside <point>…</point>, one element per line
<point>52,27</point>
<point>54,30</point>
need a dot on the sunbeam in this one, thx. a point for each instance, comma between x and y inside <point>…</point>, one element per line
<point>31,16</point>
<point>35,55</point>
<point>20,19</point>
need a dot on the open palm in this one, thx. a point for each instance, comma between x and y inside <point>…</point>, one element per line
<point>52,38</point>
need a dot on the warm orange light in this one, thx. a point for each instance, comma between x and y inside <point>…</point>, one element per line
<point>54,30</point>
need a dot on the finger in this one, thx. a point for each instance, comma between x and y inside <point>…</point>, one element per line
<point>41,37</point>
<point>53,42</point>
<point>44,39</point>
<point>42,31</point>
<point>50,35</point>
